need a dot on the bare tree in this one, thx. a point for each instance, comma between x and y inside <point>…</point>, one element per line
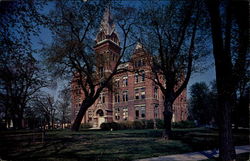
<point>64,106</point>
<point>72,53</point>
<point>19,70</point>
<point>172,33</point>
<point>46,105</point>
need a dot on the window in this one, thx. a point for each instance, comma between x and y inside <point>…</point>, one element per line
<point>125,81</point>
<point>117,84</point>
<point>101,71</point>
<point>125,96</point>
<point>90,114</point>
<point>117,97</point>
<point>102,98</point>
<point>140,112</point>
<point>136,114</point>
<point>139,63</point>
<point>117,113</point>
<point>156,111</point>
<point>136,78</point>
<point>143,112</point>
<point>142,76</point>
<point>125,113</point>
<point>137,94</point>
<point>156,92</point>
<point>143,95</point>
<point>143,62</point>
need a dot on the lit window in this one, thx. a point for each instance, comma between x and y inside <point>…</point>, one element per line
<point>102,98</point>
<point>125,96</point>
<point>137,94</point>
<point>125,81</point>
<point>136,78</point>
<point>143,95</point>
<point>125,113</point>
<point>117,113</point>
<point>140,112</point>
<point>117,84</point>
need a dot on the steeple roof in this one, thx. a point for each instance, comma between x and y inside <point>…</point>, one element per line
<point>107,29</point>
<point>107,23</point>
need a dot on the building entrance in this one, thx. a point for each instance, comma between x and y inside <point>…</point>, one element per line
<point>101,118</point>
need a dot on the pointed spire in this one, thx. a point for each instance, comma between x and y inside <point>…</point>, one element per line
<point>138,46</point>
<point>107,24</point>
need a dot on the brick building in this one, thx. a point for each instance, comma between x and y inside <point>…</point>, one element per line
<point>134,95</point>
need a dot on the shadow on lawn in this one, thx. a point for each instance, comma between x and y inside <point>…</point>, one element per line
<point>104,145</point>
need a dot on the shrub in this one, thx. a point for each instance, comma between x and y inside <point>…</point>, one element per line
<point>110,125</point>
<point>144,124</point>
<point>86,125</point>
<point>105,126</point>
<point>149,124</point>
<point>115,126</point>
<point>126,125</point>
<point>137,125</point>
<point>159,123</point>
<point>183,124</point>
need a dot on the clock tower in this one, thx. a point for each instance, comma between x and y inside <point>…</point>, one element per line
<point>107,46</point>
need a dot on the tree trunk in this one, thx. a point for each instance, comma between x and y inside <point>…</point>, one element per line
<point>20,119</point>
<point>19,122</point>
<point>52,122</point>
<point>77,122</point>
<point>168,114</point>
<point>223,68</point>
<point>14,120</point>
<point>226,148</point>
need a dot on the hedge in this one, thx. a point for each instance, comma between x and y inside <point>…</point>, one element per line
<point>139,124</point>
<point>86,125</point>
<point>183,124</point>
<point>144,124</point>
<point>159,124</point>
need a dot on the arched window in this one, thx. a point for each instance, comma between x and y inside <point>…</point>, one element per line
<point>100,112</point>
<point>142,75</point>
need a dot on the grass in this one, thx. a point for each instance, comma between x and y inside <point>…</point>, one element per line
<point>96,145</point>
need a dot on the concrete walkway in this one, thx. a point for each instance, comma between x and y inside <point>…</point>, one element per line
<point>196,155</point>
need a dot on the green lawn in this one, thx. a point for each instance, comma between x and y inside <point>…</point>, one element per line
<point>106,145</point>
